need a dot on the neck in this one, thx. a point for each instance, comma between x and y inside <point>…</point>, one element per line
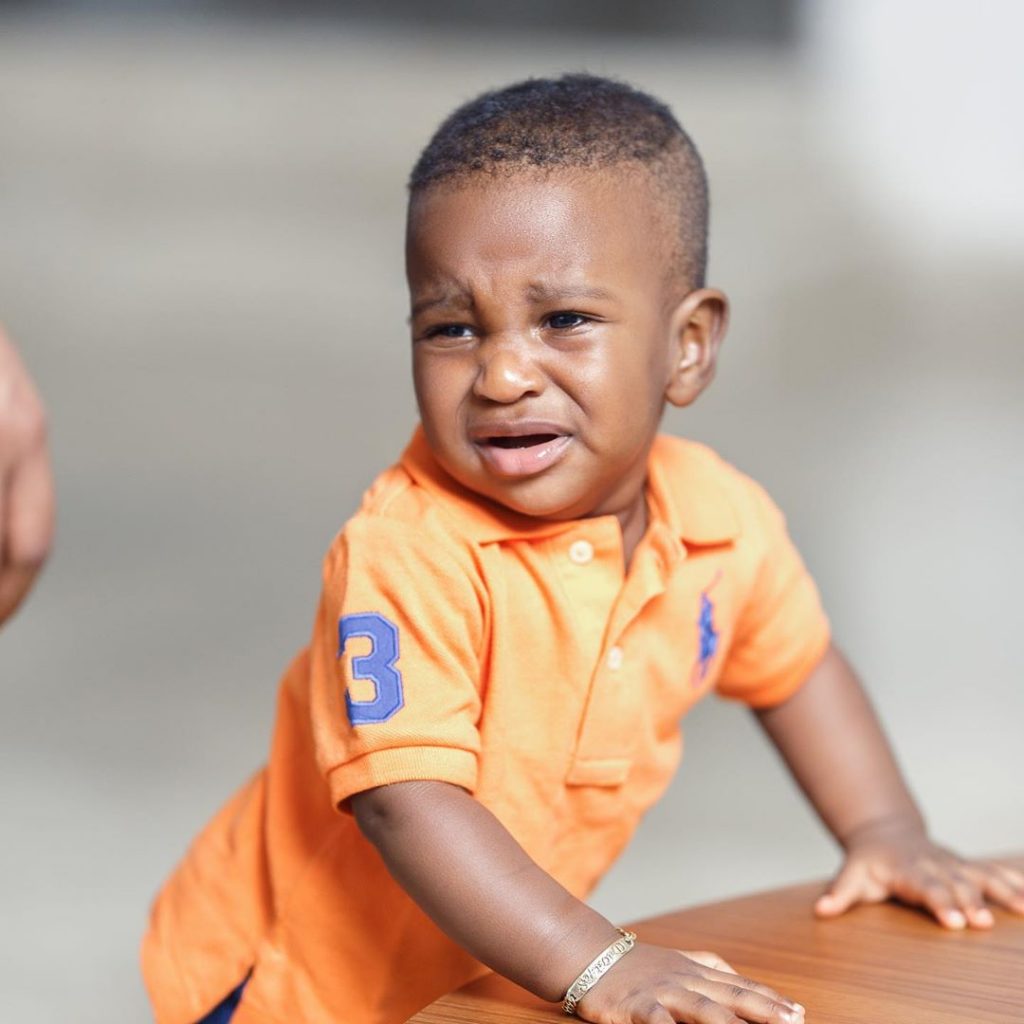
<point>633,522</point>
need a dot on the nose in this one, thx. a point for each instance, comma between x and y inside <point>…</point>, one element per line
<point>507,372</point>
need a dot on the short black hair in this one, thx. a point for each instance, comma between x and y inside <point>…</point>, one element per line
<point>576,121</point>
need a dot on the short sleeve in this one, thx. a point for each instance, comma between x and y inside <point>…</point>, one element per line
<point>395,659</point>
<point>782,632</point>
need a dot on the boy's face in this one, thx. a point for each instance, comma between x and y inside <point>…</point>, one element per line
<point>546,336</point>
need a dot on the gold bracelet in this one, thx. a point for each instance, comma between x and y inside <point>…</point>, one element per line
<point>596,969</point>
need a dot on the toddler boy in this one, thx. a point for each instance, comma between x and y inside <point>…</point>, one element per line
<point>520,613</point>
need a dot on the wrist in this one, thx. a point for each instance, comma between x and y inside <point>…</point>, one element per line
<point>899,826</point>
<point>597,969</point>
<point>576,946</point>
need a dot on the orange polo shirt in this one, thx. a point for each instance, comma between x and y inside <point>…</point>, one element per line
<point>458,641</point>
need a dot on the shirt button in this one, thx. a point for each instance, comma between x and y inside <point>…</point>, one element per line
<point>615,658</point>
<point>581,551</point>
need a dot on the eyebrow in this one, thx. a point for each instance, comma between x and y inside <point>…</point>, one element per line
<point>454,296</point>
<point>539,291</point>
<point>536,291</point>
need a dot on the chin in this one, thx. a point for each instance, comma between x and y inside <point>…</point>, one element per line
<point>540,496</point>
<point>532,498</point>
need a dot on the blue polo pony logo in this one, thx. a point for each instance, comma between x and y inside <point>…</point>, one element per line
<point>707,634</point>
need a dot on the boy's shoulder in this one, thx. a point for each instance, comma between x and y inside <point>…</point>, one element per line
<point>416,493</point>
<point>401,537</point>
<point>397,504</point>
<point>690,460</point>
<point>394,495</point>
<point>710,492</point>
<point>409,520</point>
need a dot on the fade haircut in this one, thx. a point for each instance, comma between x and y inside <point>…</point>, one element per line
<point>577,121</point>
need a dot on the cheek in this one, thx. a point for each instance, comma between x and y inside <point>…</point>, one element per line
<point>616,386</point>
<point>441,383</point>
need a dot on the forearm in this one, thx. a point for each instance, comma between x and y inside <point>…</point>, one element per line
<point>461,865</point>
<point>831,739</point>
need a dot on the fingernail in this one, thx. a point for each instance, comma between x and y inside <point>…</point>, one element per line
<point>984,916</point>
<point>955,919</point>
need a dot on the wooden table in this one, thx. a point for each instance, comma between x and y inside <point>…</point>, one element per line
<point>881,964</point>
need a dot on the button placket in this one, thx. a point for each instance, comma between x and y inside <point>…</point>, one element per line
<point>581,552</point>
<point>587,562</point>
<point>606,746</point>
<point>590,567</point>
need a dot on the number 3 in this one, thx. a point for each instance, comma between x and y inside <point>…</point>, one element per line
<point>378,666</point>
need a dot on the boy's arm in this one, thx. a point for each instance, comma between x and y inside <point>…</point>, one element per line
<point>830,738</point>
<point>460,864</point>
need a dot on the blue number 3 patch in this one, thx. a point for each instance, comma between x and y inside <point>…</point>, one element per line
<point>378,666</point>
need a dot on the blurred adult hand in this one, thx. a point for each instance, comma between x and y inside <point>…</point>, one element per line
<point>26,482</point>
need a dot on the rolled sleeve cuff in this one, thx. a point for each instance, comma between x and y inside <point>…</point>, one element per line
<point>401,764</point>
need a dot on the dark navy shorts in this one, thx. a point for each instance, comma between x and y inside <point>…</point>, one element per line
<point>225,1009</point>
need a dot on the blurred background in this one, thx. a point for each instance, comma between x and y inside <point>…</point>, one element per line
<point>201,212</point>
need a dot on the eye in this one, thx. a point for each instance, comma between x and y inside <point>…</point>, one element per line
<point>453,332</point>
<point>566,321</point>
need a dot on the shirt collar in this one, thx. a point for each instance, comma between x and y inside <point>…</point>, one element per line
<point>683,494</point>
<point>685,490</point>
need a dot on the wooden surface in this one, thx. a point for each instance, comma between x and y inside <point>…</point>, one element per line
<point>882,964</point>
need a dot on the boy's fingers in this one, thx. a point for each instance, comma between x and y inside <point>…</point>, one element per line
<point>1000,888</point>
<point>1012,875</point>
<point>983,870</point>
<point>843,891</point>
<point>935,895</point>
<point>733,980</point>
<point>696,1008</point>
<point>706,959</point>
<point>971,902</point>
<point>709,1003</point>
<point>748,1003</point>
<point>657,1014</point>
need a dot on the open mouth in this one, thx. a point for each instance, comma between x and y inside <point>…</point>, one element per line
<point>519,455</point>
<point>522,440</point>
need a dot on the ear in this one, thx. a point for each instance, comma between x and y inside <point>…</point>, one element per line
<point>697,329</point>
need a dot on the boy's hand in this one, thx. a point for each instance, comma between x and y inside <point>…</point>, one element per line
<point>655,985</point>
<point>899,861</point>
<point>829,736</point>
